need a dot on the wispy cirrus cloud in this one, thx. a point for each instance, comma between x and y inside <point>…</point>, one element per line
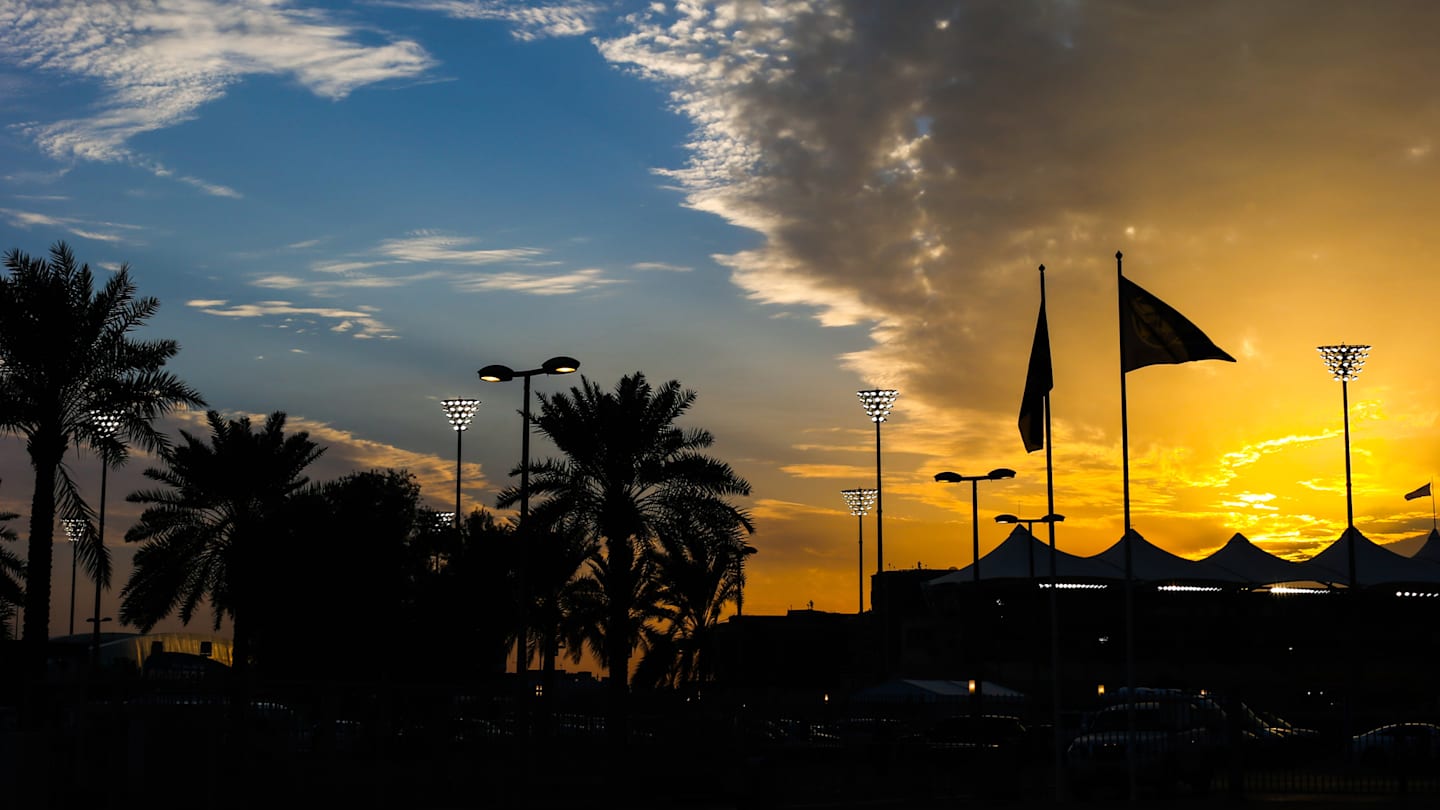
<point>449,258</point>
<point>359,322</point>
<point>529,20</point>
<point>158,62</point>
<point>99,231</point>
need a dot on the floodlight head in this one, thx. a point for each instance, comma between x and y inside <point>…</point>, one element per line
<point>1053,518</point>
<point>1344,361</point>
<point>75,528</point>
<point>561,365</point>
<point>459,411</point>
<point>859,500</point>
<point>497,373</point>
<point>444,519</point>
<point>877,402</point>
<point>1000,472</point>
<point>107,423</point>
<point>948,477</point>
<point>1006,518</point>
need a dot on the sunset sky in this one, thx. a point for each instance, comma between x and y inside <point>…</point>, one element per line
<point>346,209</point>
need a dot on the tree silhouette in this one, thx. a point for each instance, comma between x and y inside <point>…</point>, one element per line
<point>66,352</point>
<point>627,471</point>
<point>203,535</point>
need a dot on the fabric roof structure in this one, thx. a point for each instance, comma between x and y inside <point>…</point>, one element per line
<point>1374,564</point>
<point>1151,563</point>
<point>1430,550</point>
<point>1023,556</point>
<point>1239,562</point>
<point>1250,564</point>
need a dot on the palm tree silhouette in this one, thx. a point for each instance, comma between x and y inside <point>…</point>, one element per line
<point>202,534</point>
<point>65,352</point>
<point>627,471</point>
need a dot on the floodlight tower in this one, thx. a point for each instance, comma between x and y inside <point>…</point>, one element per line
<point>860,501</point>
<point>877,403</point>
<point>1344,363</point>
<point>459,412</point>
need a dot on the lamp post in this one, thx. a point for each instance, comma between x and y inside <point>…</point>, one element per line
<point>877,403</point>
<point>1030,529</point>
<point>496,374</point>
<point>75,529</point>
<point>957,478</point>
<point>107,424</point>
<point>459,412</point>
<point>860,501</point>
<point>1344,363</point>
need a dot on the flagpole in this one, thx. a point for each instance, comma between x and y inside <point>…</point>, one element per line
<point>1129,567</point>
<point>1054,585</point>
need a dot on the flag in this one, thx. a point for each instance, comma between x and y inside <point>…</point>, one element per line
<point>1038,382</point>
<point>1152,333</point>
<point>1422,492</point>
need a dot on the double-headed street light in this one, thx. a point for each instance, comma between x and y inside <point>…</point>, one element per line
<point>1030,529</point>
<point>1344,363</point>
<point>957,478</point>
<point>877,403</point>
<point>860,501</point>
<point>496,374</point>
<point>459,412</point>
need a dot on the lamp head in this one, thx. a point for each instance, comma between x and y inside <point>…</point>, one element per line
<point>877,402</point>
<point>497,373</point>
<point>1344,361</point>
<point>1053,518</point>
<point>1000,472</point>
<point>75,528</point>
<point>460,411</point>
<point>948,477</point>
<point>561,365</point>
<point>1006,518</point>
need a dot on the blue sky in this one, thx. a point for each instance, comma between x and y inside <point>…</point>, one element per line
<point>348,208</point>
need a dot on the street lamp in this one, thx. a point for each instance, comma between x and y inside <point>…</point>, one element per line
<point>495,374</point>
<point>1344,363</point>
<point>107,424</point>
<point>860,501</point>
<point>75,529</point>
<point>1030,529</point>
<point>877,403</point>
<point>459,412</point>
<point>956,478</point>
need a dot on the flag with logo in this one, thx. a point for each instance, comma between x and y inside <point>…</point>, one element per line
<point>1153,333</point>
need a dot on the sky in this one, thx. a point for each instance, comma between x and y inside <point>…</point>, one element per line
<point>346,209</point>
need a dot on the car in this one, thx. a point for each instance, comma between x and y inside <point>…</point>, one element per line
<point>1172,741</point>
<point>1397,743</point>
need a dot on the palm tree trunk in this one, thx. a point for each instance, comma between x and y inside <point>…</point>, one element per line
<point>41,552</point>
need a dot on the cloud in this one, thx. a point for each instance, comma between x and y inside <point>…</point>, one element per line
<point>531,20</point>
<point>358,323</point>
<point>557,284</point>
<point>98,231</point>
<point>661,266</point>
<point>159,62</point>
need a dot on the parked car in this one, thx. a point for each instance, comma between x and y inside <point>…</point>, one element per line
<point>1172,741</point>
<point>1396,744</point>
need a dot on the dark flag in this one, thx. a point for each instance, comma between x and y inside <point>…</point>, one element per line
<point>1038,382</point>
<point>1152,333</point>
<point>1422,492</point>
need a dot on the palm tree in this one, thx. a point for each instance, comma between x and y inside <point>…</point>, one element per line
<point>203,535</point>
<point>12,577</point>
<point>698,571</point>
<point>627,470</point>
<point>66,352</point>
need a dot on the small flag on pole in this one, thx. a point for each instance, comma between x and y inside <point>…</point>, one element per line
<point>1422,492</point>
<point>1153,333</point>
<point>1038,382</point>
